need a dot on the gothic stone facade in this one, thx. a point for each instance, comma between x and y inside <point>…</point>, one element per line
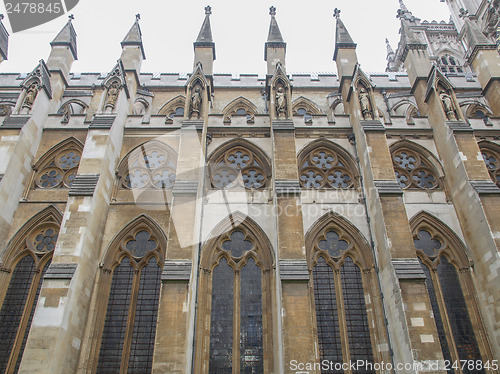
<point>246,223</point>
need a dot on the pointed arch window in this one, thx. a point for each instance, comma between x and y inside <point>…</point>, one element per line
<point>323,167</point>
<point>413,170</point>
<point>239,166</point>
<point>448,280</point>
<point>237,278</point>
<point>150,165</point>
<point>491,157</point>
<point>26,264</point>
<point>341,281</point>
<point>59,166</point>
<point>132,275</point>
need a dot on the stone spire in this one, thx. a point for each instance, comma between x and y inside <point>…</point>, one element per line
<point>67,37</point>
<point>275,47</point>
<point>4,40</point>
<point>342,37</point>
<point>391,57</point>
<point>404,13</point>
<point>134,36</point>
<point>204,46</point>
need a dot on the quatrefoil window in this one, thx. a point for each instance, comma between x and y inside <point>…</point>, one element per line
<point>239,166</point>
<point>412,171</point>
<point>427,243</point>
<point>324,168</point>
<point>60,170</point>
<point>141,244</point>
<point>333,244</point>
<point>149,166</point>
<point>492,161</point>
<point>237,244</point>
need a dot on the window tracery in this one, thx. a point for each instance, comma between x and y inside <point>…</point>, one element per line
<point>449,64</point>
<point>242,107</point>
<point>239,166</point>
<point>322,167</point>
<point>150,165</point>
<point>132,274</point>
<point>29,258</point>
<point>491,157</point>
<point>413,171</point>
<point>59,166</point>
<point>446,276</point>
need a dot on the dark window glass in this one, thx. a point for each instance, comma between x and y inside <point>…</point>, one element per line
<point>437,314</point>
<point>221,320</point>
<point>143,336</point>
<point>238,245</point>
<point>115,324</point>
<point>358,332</point>
<point>28,326</point>
<point>327,318</point>
<point>241,112</point>
<point>251,341</point>
<point>461,326</point>
<point>13,307</point>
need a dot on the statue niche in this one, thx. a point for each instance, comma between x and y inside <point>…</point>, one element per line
<point>364,102</point>
<point>195,104</point>
<point>29,98</point>
<point>112,97</point>
<point>281,102</point>
<point>447,103</point>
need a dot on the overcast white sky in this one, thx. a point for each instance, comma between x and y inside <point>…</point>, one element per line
<point>239,29</point>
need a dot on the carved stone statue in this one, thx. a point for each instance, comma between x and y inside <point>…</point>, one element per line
<point>66,113</point>
<point>280,103</point>
<point>447,105</point>
<point>195,103</point>
<point>30,96</point>
<point>113,92</point>
<point>364,101</point>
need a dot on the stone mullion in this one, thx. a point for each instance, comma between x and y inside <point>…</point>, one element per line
<point>236,321</point>
<point>344,336</point>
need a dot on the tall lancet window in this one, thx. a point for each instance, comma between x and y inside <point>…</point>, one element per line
<point>237,277</point>
<point>345,291</point>
<point>133,281</point>
<point>448,282</point>
<point>25,263</point>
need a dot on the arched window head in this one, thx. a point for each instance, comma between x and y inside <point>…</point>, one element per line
<point>151,165</point>
<point>26,261</point>
<point>59,166</point>
<point>130,279</point>
<point>449,65</point>
<point>414,170</point>
<point>341,264</point>
<point>177,112</point>
<point>239,164</point>
<point>306,108</point>
<point>236,288</point>
<point>240,107</point>
<point>446,269</point>
<point>322,166</point>
<point>173,108</point>
<point>71,107</point>
<point>491,157</point>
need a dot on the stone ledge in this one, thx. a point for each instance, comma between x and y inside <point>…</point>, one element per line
<point>197,124</point>
<point>287,187</point>
<point>84,185</point>
<point>60,271</point>
<point>15,122</point>
<point>408,268</point>
<point>102,121</point>
<point>458,126</point>
<point>185,188</point>
<point>176,270</point>
<point>282,125</point>
<point>294,270</point>
<point>372,126</point>
<point>485,187</point>
<point>388,187</point>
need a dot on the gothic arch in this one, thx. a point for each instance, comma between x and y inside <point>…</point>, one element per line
<point>240,103</point>
<point>25,263</point>
<point>410,110</point>
<point>335,167</point>
<point>239,156</point>
<point>491,156</point>
<point>338,103</point>
<point>307,104</point>
<point>237,275</point>
<point>364,92</point>
<point>151,164</point>
<point>415,166</point>
<point>59,165</point>
<point>170,106</point>
<point>471,108</point>
<point>449,282</point>
<point>70,104</point>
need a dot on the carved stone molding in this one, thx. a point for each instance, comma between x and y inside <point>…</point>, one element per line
<point>485,187</point>
<point>283,125</point>
<point>372,126</point>
<point>84,185</point>
<point>294,270</point>
<point>102,122</point>
<point>15,122</point>
<point>198,125</point>
<point>60,271</point>
<point>459,126</point>
<point>388,187</point>
<point>408,269</point>
<point>185,188</point>
<point>176,270</point>
<point>287,187</point>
